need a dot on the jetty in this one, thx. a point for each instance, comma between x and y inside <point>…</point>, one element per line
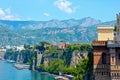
<point>64,77</point>
<point>11,61</point>
<point>21,66</point>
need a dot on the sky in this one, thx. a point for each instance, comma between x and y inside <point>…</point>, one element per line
<point>43,10</point>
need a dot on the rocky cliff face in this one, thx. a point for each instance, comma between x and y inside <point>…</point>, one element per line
<point>40,59</point>
<point>10,56</point>
<point>77,57</point>
<point>46,58</point>
<point>46,61</point>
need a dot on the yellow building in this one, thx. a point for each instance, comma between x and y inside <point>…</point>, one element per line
<point>105,33</point>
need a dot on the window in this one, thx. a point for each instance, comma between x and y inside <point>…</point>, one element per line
<point>119,56</point>
<point>117,74</point>
<point>112,58</point>
<point>103,58</point>
<point>102,73</point>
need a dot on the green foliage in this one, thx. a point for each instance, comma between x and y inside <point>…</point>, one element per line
<point>52,51</point>
<point>56,65</point>
<point>40,47</point>
<point>27,55</point>
<point>80,77</point>
<point>43,43</point>
<point>26,46</point>
<point>42,67</point>
<point>67,54</point>
<point>28,63</point>
<point>11,54</point>
<point>69,70</point>
<point>85,47</point>
<point>80,71</point>
<point>51,48</point>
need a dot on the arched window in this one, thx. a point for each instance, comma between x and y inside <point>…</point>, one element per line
<point>103,58</point>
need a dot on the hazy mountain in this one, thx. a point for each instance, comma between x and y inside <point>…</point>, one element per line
<point>108,23</point>
<point>72,31</point>
<point>16,25</point>
<point>8,37</point>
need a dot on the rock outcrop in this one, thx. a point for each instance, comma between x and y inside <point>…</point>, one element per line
<point>76,58</point>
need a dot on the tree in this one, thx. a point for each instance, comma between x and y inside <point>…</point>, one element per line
<point>26,46</point>
<point>56,65</point>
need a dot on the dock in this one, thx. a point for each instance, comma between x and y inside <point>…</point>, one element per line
<point>21,66</point>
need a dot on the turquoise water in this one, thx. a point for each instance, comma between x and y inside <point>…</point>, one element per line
<point>8,72</point>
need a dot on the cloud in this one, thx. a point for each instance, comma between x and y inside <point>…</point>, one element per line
<point>2,13</point>
<point>8,11</point>
<point>7,15</point>
<point>46,14</point>
<point>64,5</point>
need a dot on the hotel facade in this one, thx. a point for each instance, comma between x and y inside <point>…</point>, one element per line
<point>106,51</point>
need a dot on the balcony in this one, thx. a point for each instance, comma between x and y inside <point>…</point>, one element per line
<point>113,43</point>
<point>112,50</point>
<point>99,43</point>
<point>102,67</point>
<point>115,67</point>
<point>107,67</point>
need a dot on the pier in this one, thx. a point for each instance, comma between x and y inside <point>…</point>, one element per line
<point>21,66</point>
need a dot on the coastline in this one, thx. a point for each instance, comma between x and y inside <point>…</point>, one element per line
<point>47,73</point>
<point>8,72</point>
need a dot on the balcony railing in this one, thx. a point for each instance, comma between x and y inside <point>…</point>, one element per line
<point>101,66</point>
<point>111,67</point>
<point>113,43</point>
<point>99,43</point>
<point>112,50</point>
<point>115,67</point>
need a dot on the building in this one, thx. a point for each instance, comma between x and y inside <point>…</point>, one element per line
<point>2,52</point>
<point>107,53</point>
<point>62,45</point>
<point>20,48</point>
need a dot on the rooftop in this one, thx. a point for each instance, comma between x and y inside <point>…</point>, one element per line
<point>105,28</point>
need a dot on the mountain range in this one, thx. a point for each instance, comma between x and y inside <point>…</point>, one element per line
<point>53,31</point>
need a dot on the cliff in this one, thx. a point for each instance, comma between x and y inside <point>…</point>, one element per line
<point>77,57</point>
<point>48,57</point>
